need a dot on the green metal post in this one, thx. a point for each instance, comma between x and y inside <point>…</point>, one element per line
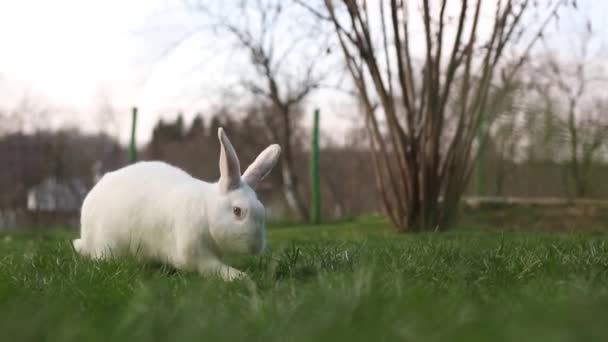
<point>132,147</point>
<point>315,205</point>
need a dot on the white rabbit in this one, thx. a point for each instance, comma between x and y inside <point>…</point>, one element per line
<point>154,211</point>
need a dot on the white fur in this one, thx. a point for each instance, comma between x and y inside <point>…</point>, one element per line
<point>154,211</point>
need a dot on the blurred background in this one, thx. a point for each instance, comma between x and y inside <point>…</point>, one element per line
<point>73,73</point>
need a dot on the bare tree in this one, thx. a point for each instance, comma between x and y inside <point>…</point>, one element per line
<point>506,137</point>
<point>583,121</point>
<point>428,114</point>
<point>107,116</point>
<point>27,113</point>
<point>264,30</point>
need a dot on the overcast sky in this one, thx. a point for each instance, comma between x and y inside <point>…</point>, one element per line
<point>72,54</point>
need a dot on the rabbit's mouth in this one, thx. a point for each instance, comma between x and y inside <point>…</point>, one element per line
<point>245,243</point>
<point>256,242</point>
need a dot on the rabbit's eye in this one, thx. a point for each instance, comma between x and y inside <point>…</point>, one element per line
<point>237,211</point>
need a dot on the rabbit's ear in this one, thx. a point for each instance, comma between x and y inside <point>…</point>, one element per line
<point>230,168</point>
<point>262,165</point>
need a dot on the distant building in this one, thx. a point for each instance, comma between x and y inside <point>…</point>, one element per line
<point>57,195</point>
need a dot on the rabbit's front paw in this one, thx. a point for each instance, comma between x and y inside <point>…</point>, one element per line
<point>231,274</point>
<point>225,272</point>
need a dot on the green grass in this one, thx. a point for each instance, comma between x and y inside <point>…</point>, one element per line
<point>353,281</point>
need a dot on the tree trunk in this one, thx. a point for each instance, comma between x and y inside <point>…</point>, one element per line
<point>290,190</point>
<point>290,179</point>
<point>575,162</point>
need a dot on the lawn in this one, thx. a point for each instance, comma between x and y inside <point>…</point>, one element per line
<point>352,281</point>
